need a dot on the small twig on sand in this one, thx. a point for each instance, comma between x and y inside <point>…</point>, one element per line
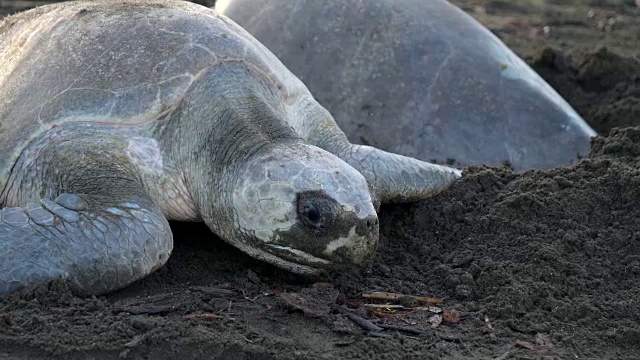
<point>206,316</point>
<point>137,340</point>
<point>359,320</point>
<point>383,306</point>
<point>374,329</point>
<point>381,314</point>
<point>362,322</point>
<point>387,296</point>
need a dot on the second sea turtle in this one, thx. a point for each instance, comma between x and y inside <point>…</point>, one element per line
<point>420,78</point>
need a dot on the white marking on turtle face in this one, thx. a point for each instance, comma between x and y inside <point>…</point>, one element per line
<point>307,257</point>
<point>341,242</point>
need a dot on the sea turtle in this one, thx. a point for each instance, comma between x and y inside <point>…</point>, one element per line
<point>118,115</point>
<point>420,78</point>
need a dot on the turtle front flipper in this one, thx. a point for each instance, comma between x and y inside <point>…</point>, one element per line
<point>95,226</point>
<point>397,178</point>
<point>95,249</point>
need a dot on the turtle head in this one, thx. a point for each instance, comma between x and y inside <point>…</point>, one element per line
<point>305,210</point>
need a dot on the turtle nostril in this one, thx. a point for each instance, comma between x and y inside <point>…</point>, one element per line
<point>367,226</point>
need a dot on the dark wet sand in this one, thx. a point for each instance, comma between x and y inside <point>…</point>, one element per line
<point>544,263</point>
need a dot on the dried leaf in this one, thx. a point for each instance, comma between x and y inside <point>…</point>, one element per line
<point>451,316</point>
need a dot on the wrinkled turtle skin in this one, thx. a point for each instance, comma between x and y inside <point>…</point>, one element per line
<point>419,78</point>
<point>117,116</point>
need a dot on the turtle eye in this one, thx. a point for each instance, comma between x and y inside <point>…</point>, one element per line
<point>312,215</point>
<point>316,210</point>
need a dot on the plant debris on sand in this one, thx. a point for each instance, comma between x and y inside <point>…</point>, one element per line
<point>503,265</point>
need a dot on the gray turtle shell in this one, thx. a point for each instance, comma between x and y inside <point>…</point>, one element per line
<point>420,78</point>
<point>89,61</point>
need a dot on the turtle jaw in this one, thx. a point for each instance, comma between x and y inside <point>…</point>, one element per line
<point>353,249</point>
<point>289,259</point>
<point>303,252</point>
<point>303,263</point>
<point>297,261</point>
